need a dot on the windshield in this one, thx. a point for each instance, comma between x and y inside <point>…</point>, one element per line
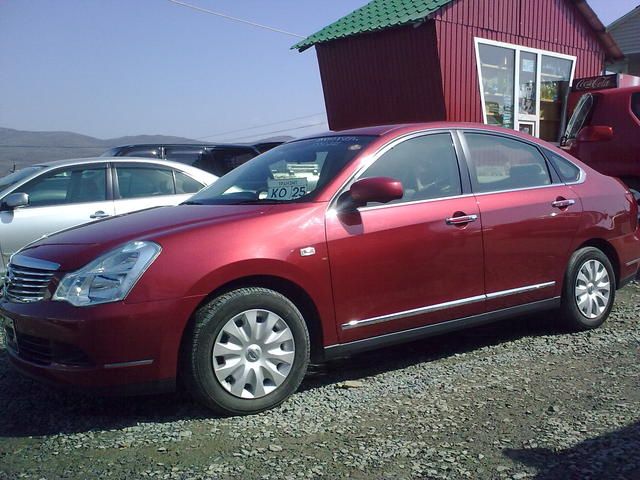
<point>18,175</point>
<point>288,173</point>
<point>579,116</point>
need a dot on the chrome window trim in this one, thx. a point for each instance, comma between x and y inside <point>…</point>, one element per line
<point>481,194</point>
<point>465,150</point>
<point>581,177</point>
<point>454,131</point>
<point>444,306</point>
<point>375,156</point>
<point>415,202</point>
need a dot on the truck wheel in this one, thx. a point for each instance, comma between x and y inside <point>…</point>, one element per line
<point>246,351</point>
<point>589,289</point>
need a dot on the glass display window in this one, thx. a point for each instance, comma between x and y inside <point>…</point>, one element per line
<point>523,88</point>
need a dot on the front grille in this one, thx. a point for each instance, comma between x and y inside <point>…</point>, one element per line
<point>27,279</point>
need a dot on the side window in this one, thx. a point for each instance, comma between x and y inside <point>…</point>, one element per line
<point>67,186</point>
<point>568,171</point>
<point>136,182</point>
<point>186,154</point>
<point>499,163</point>
<point>635,104</point>
<point>186,184</point>
<point>427,166</point>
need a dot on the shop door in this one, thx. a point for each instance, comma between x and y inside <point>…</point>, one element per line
<point>528,117</point>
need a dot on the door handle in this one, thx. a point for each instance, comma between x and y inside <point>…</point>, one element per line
<point>99,214</point>
<point>461,220</point>
<point>562,203</point>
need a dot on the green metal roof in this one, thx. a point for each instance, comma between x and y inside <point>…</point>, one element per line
<point>375,15</point>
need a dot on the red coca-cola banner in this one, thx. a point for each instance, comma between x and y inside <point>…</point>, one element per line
<point>595,83</point>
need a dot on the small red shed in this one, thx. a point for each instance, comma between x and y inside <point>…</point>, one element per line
<point>501,62</point>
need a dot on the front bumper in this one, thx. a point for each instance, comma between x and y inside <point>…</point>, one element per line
<point>115,347</point>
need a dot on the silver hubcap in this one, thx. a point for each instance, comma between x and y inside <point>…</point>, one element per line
<point>253,353</point>
<point>593,289</point>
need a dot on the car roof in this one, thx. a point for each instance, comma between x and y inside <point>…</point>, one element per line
<point>203,145</point>
<point>156,161</point>
<point>404,128</point>
<point>77,161</point>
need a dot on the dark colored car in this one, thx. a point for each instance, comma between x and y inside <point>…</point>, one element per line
<point>218,159</point>
<point>318,249</point>
<point>604,132</point>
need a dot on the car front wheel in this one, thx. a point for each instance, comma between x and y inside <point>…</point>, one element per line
<point>246,351</point>
<point>589,289</point>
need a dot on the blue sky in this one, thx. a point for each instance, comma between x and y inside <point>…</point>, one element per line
<point>109,68</point>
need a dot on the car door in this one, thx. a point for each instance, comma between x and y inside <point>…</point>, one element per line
<point>529,218</point>
<point>140,185</point>
<point>58,199</point>
<point>414,261</point>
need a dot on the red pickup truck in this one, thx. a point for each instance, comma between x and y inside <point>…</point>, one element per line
<point>604,132</point>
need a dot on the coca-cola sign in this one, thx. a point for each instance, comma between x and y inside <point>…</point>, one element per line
<point>595,83</point>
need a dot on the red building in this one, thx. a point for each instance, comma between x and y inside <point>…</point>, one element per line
<point>501,62</point>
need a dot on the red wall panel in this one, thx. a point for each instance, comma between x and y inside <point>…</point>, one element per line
<point>391,76</point>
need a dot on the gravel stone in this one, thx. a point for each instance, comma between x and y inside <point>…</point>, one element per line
<point>517,399</point>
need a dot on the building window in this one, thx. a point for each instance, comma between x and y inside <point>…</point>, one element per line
<point>524,88</point>
<point>497,78</point>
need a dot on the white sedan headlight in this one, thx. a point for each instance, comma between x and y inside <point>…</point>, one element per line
<point>110,277</point>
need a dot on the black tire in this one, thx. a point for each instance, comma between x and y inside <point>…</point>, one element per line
<point>572,316</point>
<point>197,362</point>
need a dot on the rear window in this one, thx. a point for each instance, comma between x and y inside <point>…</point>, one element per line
<point>579,117</point>
<point>568,171</point>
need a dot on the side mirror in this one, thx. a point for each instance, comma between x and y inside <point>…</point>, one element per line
<point>367,190</point>
<point>596,133</point>
<point>14,200</point>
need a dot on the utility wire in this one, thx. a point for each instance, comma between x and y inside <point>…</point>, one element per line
<point>259,126</point>
<point>235,19</point>
<point>277,131</point>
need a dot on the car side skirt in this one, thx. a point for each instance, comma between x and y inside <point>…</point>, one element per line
<point>346,349</point>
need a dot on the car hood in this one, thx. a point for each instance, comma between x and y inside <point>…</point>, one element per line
<point>76,246</point>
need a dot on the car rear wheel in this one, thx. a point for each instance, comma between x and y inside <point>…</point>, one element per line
<point>246,351</point>
<point>589,289</point>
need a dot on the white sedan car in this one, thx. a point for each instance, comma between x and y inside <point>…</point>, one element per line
<point>48,197</point>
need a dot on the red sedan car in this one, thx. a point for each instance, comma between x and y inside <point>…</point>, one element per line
<point>320,248</point>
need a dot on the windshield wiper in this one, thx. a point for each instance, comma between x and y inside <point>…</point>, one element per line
<point>191,202</point>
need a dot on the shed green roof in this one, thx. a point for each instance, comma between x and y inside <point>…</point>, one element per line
<point>375,15</point>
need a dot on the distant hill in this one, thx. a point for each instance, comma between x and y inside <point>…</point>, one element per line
<point>22,148</point>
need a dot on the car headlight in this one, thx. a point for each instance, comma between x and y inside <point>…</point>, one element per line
<point>110,277</point>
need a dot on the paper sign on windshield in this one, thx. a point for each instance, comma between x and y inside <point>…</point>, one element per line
<point>287,188</point>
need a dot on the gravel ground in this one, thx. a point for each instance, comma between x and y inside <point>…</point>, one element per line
<point>518,399</point>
